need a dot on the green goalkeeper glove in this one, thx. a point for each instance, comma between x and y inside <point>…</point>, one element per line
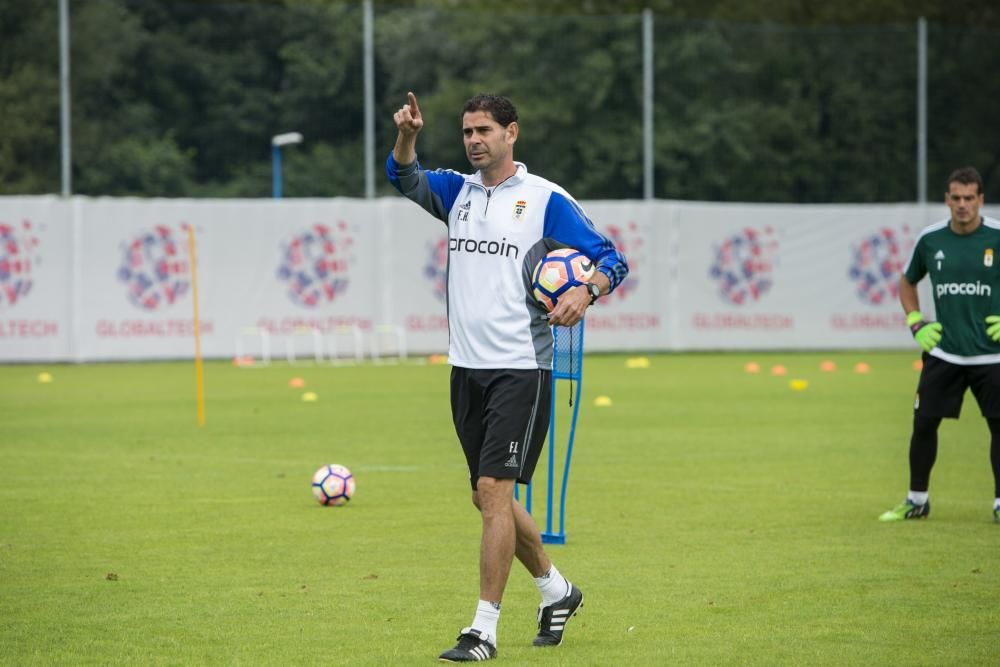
<point>927,334</point>
<point>993,331</point>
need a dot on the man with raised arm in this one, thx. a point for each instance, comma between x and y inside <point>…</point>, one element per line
<point>501,221</point>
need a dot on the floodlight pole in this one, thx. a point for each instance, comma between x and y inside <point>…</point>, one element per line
<point>369,77</point>
<point>277,141</point>
<point>647,105</point>
<point>922,110</point>
<point>64,100</point>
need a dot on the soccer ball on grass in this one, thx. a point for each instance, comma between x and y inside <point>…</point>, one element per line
<point>333,485</point>
<point>557,272</point>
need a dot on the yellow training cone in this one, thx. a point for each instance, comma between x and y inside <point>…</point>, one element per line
<point>310,397</point>
<point>602,402</point>
<point>798,385</point>
<point>637,362</point>
<point>44,378</point>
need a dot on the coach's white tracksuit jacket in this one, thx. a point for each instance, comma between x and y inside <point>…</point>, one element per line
<point>496,236</point>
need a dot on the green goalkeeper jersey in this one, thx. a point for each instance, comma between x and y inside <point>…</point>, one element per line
<point>965,281</point>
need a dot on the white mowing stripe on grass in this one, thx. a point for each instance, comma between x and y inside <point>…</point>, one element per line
<point>242,500</point>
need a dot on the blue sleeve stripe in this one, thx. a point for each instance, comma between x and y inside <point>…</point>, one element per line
<point>446,184</point>
<point>435,191</point>
<point>566,223</point>
<point>392,172</point>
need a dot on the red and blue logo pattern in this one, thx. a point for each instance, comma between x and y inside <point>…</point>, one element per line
<point>18,253</point>
<point>436,268</point>
<point>876,264</point>
<point>316,264</point>
<point>630,243</point>
<point>744,264</point>
<point>155,268</point>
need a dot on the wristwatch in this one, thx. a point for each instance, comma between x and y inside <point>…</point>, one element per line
<point>595,292</point>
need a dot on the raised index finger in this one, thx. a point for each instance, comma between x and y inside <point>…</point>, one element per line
<point>414,107</point>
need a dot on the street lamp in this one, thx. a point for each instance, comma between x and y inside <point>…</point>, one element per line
<point>277,141</point>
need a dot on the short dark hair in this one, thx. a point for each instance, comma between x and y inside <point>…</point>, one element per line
<point>965,176</point>
<point>498,106</point>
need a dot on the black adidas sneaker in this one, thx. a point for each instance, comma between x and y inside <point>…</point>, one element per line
<point>472,646</point>
<point>552,619</point>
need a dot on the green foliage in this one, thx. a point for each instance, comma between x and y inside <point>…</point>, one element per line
<point>133,165</point>
<point>765,114</point>
<point>579,121</point>
<point>769,100</point>
<point>714,518</point>
<point>29,99</point>
<point>958,111</point>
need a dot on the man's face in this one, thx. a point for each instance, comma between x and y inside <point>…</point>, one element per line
<point>487,142</point>
<point>964,201</point>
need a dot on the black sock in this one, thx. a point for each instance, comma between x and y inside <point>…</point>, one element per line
<point>923,451</point>
<point>995,453</point>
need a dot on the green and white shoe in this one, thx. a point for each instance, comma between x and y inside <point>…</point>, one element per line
<point>908,510</point>
<point>996,515</point>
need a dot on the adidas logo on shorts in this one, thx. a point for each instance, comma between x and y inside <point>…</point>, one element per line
<point>511,462</point>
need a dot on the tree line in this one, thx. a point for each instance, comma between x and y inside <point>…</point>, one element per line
<point>753,101</point>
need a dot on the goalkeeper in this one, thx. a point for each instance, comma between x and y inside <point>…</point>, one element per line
<point>962,348</point>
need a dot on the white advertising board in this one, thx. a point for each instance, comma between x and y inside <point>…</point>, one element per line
<point>88,279</point>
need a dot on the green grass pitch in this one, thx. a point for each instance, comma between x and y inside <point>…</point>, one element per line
<point>715,517</point>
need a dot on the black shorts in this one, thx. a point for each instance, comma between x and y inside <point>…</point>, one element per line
<point>501,418</point>
<point>942,386</point>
